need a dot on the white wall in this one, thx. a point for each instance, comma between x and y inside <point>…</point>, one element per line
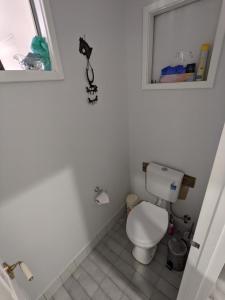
<point>178,128</point>
<point>55,148</point>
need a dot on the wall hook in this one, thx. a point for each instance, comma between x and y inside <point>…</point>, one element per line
<point>91,89</point>
<point>98,189</point>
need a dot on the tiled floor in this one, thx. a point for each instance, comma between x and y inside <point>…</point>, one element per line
<point>110,272</point>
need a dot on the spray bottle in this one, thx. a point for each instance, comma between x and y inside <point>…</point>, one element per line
<point>171,228</point>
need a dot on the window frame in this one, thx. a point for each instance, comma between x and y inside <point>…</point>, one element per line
<point>45,21</point>
<point>35,16</point>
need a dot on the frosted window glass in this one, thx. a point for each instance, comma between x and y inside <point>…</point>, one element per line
<point>17,28</point>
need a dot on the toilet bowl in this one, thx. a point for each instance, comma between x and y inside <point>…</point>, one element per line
<point>146,226</point>
<point>147,223</point>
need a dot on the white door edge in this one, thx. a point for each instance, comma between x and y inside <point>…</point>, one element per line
<point>217,260</point>
<point>204,264</point>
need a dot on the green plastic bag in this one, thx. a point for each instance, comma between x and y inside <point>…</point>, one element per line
<point>40,46</point>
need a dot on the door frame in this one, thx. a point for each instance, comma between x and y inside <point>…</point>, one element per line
<point>205,264</point>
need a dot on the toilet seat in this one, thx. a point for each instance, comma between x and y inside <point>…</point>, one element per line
<point>147,224</point>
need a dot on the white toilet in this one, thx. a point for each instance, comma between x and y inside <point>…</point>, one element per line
<point>147,223</point>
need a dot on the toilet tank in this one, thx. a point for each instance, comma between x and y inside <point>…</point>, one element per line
<point>163,182</point>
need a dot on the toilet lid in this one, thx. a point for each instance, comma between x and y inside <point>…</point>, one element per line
<point>147,224</point>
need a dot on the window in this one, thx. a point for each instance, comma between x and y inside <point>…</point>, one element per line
<point>17,29</point>
<point>21,23</point>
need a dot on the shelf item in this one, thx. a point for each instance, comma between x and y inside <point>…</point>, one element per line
<point>185,77</point>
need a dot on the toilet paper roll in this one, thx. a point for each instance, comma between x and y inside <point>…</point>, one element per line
<point>102,198</point>
<point>26,271</point>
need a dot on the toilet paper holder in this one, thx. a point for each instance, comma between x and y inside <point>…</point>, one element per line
<point>101,197</point>
<point>11,268</point>
<point>98,190</point>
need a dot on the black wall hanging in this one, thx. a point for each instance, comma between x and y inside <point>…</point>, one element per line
<point>91,89</point>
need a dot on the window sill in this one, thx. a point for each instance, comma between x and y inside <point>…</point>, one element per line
<point>178,85</point>
<point>19,76</point>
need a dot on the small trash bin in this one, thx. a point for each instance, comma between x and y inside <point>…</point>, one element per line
<point>177,254</point>
<point>132,200</point>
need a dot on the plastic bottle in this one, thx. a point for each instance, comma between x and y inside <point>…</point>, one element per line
<point>171,228</point>
<point>201,72</point>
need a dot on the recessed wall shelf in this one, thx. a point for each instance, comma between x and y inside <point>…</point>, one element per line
<point>170,26</point>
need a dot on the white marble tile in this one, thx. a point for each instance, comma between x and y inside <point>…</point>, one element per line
<point>147,273</point>
<point>78,260</point>
<point>111,289</point>
<point>100,295</point>
<point>42,298</point>
<point>159,296</point>
<point>129,246</point>
<point>119,237</point>
<point>68,272</point>
<point>127,257</point>
<point>53,288</point>
<point>155,267</point>
<point>107,253</point>
<point>161,259</point>
<point>116,219</point>
<point>111,272</point>
<point>116,226</point>
<point>86,281</point>
<point>113,245</point>
<point>122,220</point>
<point>151,272</point>
<point>103,233</point>
<point>124,297</point>
<point>143,285</point>
<point>172,277</point>
<point>122,234</point>
<point>112,233</point>
<point>92,269</point>
<point>167,289</point>
<point>117,223</point>
<point>119,279</point>
<point>134,294</point>
<point>62,294</point>
<point>75,290</point>
<point>100,261</point>
<point>125,268</point>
